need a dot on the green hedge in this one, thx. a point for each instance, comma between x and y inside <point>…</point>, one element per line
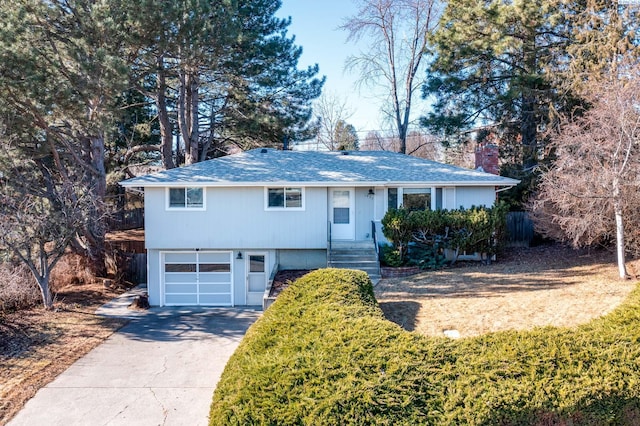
<point>473,230</point>
<point>324,354</point>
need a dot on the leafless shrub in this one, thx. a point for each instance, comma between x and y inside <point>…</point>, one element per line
<point>18,290</point>
<point>71,269</point>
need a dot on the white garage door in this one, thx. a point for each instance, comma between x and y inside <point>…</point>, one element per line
<point>197,278</point>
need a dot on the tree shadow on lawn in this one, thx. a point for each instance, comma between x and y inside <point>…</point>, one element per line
<point>403,313</point>
<point>493,280</point>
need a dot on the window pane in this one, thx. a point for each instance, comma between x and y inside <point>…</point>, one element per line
<point>393,199</point>
<point>417,190</point>
<point>341,215</point>
<point>187,267</point>
<point>176,197</point>
<point>194,197</point>
<point>341,198</point>
<point>215,267</point>
<point>276,197</point>
<point>256,263</point>
<point>416,201</point>
<point>294,197</point>
<point>438,198</point>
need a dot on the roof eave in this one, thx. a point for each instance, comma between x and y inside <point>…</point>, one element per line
<point>507,183</point>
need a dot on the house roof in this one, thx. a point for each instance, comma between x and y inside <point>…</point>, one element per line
<point>267,166</point>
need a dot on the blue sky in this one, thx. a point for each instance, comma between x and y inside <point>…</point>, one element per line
<point>315,25</point>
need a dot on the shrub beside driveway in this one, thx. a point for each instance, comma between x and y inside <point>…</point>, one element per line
<point>324,354</point>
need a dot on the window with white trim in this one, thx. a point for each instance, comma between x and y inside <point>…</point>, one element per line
<point>416,199</point>
<point>284,198</point>
<point>185,198</point>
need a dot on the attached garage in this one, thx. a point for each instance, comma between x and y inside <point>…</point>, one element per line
<point>197,278</point>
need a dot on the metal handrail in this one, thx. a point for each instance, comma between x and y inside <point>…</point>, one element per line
<point>328,242</point>
<point>375,242</point>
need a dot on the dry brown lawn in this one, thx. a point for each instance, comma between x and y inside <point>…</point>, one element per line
<point>541,286</point>
<point>37,345</point>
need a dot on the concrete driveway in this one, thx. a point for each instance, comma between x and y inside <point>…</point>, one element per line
<point>160,369</point>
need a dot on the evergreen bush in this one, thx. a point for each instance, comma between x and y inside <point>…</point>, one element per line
<point>324,354</point>
<point>475,230</point>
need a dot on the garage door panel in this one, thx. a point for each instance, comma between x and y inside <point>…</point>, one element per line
<point>215,288</point>
<point>181,288</point>
<point>180,278</point>
<point>215,299</point>
<point>180,257</point>
<point>198,278</point>
<point>181,299</point>
<point>215,278</point>
<point>215,257</point>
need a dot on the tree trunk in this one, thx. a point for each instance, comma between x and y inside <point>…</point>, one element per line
<point>166,134</point>
<point>99,189</point>
<point>45,291</point>
<point>620,246</point>
<point>192,106</point>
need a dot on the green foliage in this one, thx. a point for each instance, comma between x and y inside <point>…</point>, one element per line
<point>427,256</point>
<point>515,66</point>
<point>324,354</point>
<point>421,236</point>
<point>396,229</point>
<point>391,256</point>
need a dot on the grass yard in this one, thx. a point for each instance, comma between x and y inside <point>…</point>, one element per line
<point>549,285</point>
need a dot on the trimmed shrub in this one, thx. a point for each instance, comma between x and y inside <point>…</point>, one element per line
<point>324,354</point>
<point>474,230</point>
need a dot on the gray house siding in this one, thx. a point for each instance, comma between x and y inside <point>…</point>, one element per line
<point>236,217</point>
<point>468,197</point>
<point>365,205</point>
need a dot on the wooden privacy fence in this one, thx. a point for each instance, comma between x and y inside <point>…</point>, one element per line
<point>126,219</point>
<point>519,229</point>
<point>137,270</point>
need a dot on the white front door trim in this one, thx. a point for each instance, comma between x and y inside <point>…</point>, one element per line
<point>256,280</point>
<point>342,215</point>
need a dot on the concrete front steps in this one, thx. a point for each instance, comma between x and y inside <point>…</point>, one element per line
<point>359,255</point>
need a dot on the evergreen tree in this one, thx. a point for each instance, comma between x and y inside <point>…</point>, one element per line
<point>61,72</point>
<point>518,66</point>
<point>225,76</point>
<point>346,137</point>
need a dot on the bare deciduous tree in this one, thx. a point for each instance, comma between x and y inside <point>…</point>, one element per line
<point>330,110</point>
<point>592,191</point>
<point>398,31</point>
<point>40,214</point>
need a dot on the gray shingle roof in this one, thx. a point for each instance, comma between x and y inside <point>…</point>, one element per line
<point>317,168</point>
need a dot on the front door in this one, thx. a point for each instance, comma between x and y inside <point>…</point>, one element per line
<point>342,213</point>
<point>256,277</point>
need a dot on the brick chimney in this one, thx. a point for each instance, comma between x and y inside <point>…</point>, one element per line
<point>487,158</point>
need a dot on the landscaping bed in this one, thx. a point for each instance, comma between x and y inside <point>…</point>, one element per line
<point>283,279</point>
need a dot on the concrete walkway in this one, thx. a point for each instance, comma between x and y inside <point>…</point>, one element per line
<point>160,369</point>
